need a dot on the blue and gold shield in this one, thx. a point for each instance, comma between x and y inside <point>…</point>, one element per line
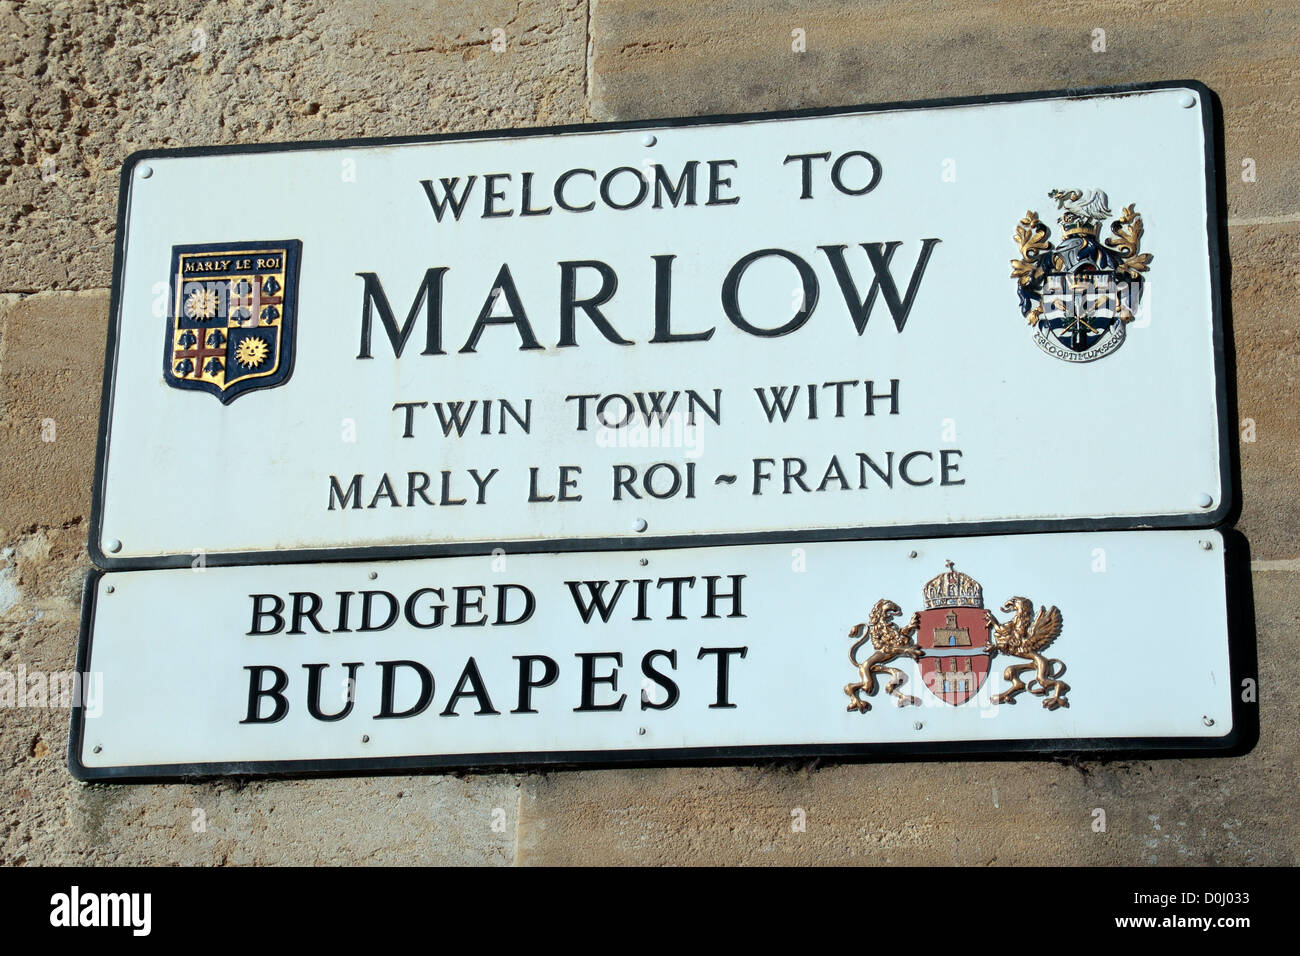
<point>233,313</point>
<point>1079,294</point>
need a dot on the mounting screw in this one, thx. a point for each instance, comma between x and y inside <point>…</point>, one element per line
<point>1205,501</point>
<point>97,748</point>
<point>911,554</point>
<point>113,545</point>
<point>648,139</point>
<point>1208,721</point>
<point>640,525</point>
<point>1207,546</point>
<point>365,738</point>
<point>109,589</point>
<point>146,172</point>
<point>373,575</point>
<point>640,731</point>
<point>918,725</point>
<point>1187,101</point>
<point>644,562</point>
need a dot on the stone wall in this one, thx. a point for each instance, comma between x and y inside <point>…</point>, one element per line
<point>82,85</point>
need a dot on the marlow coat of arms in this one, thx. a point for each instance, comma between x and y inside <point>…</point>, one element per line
<point>953,639</point>
<point>1079,294</point>
<point>232,317</point>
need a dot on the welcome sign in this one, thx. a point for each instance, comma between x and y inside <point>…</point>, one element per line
<point>863,321</point>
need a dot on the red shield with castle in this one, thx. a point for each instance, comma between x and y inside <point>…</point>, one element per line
<point>954,632</point>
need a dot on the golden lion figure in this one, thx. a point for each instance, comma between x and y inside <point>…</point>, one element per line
<point>889,642</point>
<point>1018,638</point>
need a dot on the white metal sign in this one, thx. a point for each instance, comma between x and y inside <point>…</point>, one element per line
<point>1031,642</point>
<point>983,315</point>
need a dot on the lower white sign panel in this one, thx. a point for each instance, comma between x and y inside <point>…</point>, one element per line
<point>1026,642</point>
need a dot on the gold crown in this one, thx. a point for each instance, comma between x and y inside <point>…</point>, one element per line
<point>952,588</point>
<point>1081,227</point>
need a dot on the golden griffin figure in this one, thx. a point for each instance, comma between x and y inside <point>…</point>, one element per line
<point>1019,638</point>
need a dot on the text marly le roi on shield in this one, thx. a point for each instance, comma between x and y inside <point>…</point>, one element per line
<point>855,173</point>
<point>589,681</point>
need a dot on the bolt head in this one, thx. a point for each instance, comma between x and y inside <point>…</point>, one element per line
<point>109,589</point>
<point>373,575</point>
<point>146,172</point>
<point>97,748</point>
<point>918,725</point>
<point>640,525</point>
<point>365,738</point>
<point>1205,500</point>
<point>1208,721</point>
<point>649,139</point>
<point>644,562</point>
<point>911,554</point>
<point>640,731</point>
<point>112,545</point>
<point>1187,101</point>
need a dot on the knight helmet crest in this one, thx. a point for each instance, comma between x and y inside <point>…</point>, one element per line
<point>1079,294</point>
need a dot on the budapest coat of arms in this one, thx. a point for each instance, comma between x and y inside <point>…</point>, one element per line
<point>953,640</point>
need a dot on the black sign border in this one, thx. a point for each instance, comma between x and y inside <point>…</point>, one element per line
<point>1223,513</point>
<point>1240,740</point>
